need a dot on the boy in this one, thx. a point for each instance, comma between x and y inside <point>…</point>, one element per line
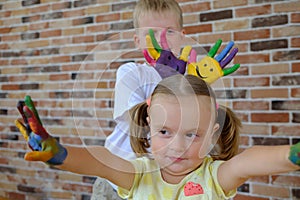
<point>135,82</point>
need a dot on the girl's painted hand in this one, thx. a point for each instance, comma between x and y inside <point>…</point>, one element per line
<point>211,68</point>
<point>294,156</point>
<point>44,147</point>
<point>162,58</point>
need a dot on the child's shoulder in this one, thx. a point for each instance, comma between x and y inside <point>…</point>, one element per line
<point>132,66</point>
<point>141,70</point>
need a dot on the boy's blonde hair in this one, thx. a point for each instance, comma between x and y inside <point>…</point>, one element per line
<point>228,142</point>
<point>144,6</point>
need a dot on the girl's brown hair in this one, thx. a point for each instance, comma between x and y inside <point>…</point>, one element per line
<point>179,85</point>
<point>144,6</point>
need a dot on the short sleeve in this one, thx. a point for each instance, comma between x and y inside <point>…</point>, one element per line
<point>139,168</point>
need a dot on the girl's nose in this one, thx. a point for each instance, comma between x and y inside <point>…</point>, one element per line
<point>178,144</point>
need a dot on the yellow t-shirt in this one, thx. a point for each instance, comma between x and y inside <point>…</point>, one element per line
<point>200,184</point>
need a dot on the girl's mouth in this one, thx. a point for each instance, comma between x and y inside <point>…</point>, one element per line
<point>176,159</point>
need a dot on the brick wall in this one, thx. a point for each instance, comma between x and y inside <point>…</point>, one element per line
<point>65,55</point>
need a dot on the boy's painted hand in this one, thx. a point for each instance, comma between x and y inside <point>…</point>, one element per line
<point>294,156</point>
<point>44,147</point>
<point>211,68</point>
<point>162,58</point>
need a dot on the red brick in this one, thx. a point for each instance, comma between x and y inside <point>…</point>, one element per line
<point>255,129</point>
<point>73,13</point>
<point>98,28</point>
<point>60,59</point>
<point>198,29</point>
<point>270,69</point>
<point>295,18</point>
<point>5,30</point>
<point>295,42</point>
<point>251,105</point>
<point>253,11</point>
<point>252,34</point>
<point>83,39</point>
<point>230,4</point>
<point>248,197</point>
<point>108,18</point>
<point>252,82</point>
<point>295,67</point>
<point>240,24</point>
<point>195,7</point>
<point>61,5</point>
<point>285,130</point>
<point>292,6</point>
<point>19,62</point>
<point>269,93</point>
<point>10,87</point>
<point>213,37</point>
<point>282,180</point>
<point>269,117</point>
<point>39,9</point>
<point>287,31</point>
<point>277,192</point>
<point>39,26</point>
<point>252,58</point>
<point>7,38</point>
<point>50,33</point>
<point>244,140</point>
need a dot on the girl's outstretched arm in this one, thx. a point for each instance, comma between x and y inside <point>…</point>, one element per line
<point>98,161</point>
<point>95,161</point>
<point>255,161</point>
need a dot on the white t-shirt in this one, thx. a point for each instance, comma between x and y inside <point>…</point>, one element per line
<point>134,84</point>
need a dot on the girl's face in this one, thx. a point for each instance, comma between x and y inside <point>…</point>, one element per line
<point>159,21</point>
<point>181,133</point>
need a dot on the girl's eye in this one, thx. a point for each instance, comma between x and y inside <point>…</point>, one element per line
<point>164,133</point>
<point>192,135</point>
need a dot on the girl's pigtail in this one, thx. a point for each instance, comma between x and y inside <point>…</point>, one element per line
<point>139,129</point>
<point>227,145</point>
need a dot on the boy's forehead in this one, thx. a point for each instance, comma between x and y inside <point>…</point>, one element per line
<point>163,19</point>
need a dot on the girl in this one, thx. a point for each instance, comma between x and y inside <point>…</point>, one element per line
<point>184,122</point>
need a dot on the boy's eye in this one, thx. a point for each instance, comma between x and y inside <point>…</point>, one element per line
<point>170,31</point>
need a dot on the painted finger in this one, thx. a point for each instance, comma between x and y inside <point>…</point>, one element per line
<point>224,52</point>
<point>163,40</point>
<point>193,56</point>
<point>212,52</point>
<point>148,58</point>
<point>38,156</point>
<point>229,58</point>
<point>29,103</point>
<point>154,41</point>
<point>22,129</point>
<point>20,106</point>
<point>151,50</point>
<point>35,125</point>
<point>185,53</point>
<point>231,69</point>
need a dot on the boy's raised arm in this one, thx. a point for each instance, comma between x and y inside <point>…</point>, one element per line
<point>257,161</point>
